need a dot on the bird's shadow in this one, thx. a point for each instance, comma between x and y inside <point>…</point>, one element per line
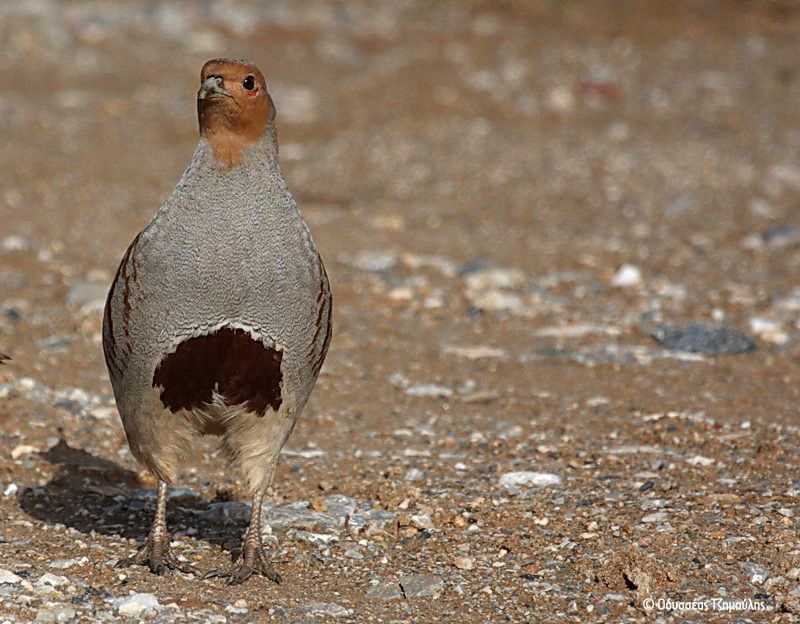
<point>95,495</point>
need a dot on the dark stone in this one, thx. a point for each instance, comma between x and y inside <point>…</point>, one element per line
<point>703,338</point>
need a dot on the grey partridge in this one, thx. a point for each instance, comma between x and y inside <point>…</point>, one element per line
<point>219,317</point>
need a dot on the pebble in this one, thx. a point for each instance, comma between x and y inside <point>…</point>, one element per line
<point>305,454</point>
<point>768,330</point>
<point>326,608</point>
<point>414,474</point>
<point>486,279</point>
<point>352,553</point>
<point>52,580</point>
<point>23,449</point>
<point>136,604</point>
<point>318,539</point>
<point>699,460</point>
<point>63,564</point>
<point>656,517</point>
<point>55,614</point>
<point>475,353</point>
<point>578,330</point>
<point>10,490</point>
<point>703,338</point>
<point>384,590</point>
<point>464,563</point>
<point>430,390</point>
<point>374,261</point>
<point>103,413</point>
<point>444,265</point>
<point>514,481</point>
<point>757,574</point>
<point>496,301</point>
<point>422,586</point>
<point>14,243</point>
<point>239,607</point>
<point>8,577</point>
<point>781,236</point>
<point>422,521</point>
<point>561,99</point>
<point>626,276</point>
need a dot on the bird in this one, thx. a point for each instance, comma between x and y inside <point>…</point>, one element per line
<point>219,316</point>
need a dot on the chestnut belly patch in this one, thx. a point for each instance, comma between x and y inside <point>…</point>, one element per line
<point>228,362</point>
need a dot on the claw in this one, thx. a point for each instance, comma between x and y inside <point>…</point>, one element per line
<point>156,554</point>
<point>253,561</point>
<point>211,574</point>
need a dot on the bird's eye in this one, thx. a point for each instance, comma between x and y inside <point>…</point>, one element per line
<point>249,83</point>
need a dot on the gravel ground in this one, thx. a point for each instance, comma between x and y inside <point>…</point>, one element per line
<point>564,245</point>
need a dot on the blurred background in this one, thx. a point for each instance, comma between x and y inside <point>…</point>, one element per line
<point>562,236</point>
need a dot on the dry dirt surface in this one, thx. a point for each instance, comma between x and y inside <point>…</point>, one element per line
<point>564,245</point>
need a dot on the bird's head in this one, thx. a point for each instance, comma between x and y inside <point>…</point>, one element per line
<point>233,106</point>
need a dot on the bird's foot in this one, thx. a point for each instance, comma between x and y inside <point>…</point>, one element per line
<point>252,561</point>
<point>157,555</point>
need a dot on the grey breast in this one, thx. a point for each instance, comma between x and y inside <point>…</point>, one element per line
<point>223,291</point>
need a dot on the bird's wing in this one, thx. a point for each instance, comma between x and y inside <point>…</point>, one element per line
<point>323,330</point>
<point>116,318</point>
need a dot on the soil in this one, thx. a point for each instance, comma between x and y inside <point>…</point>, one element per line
<point>512,199</point>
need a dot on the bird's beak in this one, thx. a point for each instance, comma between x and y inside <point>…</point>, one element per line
<point>211,87</point>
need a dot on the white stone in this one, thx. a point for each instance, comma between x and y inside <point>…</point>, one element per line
<point>414,474</point>
<point>768,330</point>
<point>494,278</point>
<point>103,413</point>
<point>515,480</point>
<point>137,604</point>
<point>474,353</point>
<point>10,490</point>
<point>23,449</point>
<point>699,460</point>
<point>496,301</point>
<point>14,243</point>
<point>627,275</point>
<point>444,265</point>
<point>429,390</point>
<point>52,580</point>
<point>561,99</point>
<point>8,577</point>
<point>63,564</point>
<point>578,330</point>
<point>422,521</point>
<point>658,516</point>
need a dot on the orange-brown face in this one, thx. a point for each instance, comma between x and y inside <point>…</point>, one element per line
<point>233,105</point>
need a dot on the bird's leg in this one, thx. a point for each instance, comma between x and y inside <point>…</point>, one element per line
<point>155,553</point>
<point>253,559</point>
